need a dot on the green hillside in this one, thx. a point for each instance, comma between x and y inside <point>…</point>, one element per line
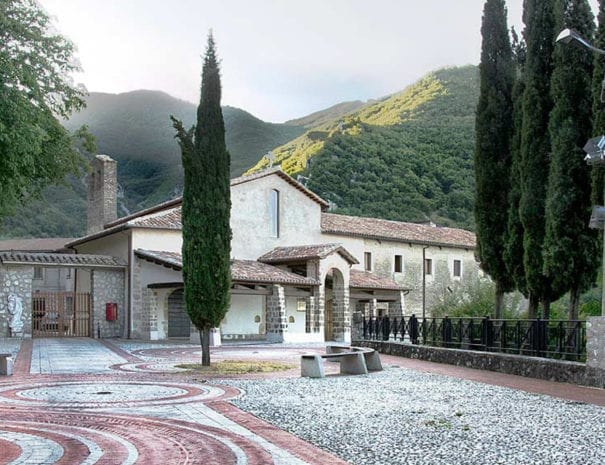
<point>407,157</point>
<point>326,116</point>
<point>134,128</point>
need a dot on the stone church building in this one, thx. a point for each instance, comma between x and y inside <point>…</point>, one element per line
<point>298,272</point>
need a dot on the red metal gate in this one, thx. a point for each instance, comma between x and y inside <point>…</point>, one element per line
<point>61,314</point>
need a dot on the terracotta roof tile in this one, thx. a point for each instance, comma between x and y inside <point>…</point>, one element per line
<point>305,252</point>
<point>167,219</point>
<point>366,280</point>
<point>23,258</point>
<point>249,271</point>
<point>375,228</point>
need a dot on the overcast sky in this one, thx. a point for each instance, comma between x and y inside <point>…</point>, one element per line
<point>281,59</point>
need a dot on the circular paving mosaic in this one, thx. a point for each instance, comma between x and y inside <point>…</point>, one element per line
<point>107,394</point>
<point>27,436</point>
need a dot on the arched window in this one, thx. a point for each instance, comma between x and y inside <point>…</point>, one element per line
<point>274,212</point>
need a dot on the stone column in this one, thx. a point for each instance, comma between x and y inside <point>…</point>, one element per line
<point>372,310</point>
<point>16,281</point>
<point>396,307</point>
<point>276,314</point>
<point>107,286</point>
<point>341,313</point>
<point>595,342</point>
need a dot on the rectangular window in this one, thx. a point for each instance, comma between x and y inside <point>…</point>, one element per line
<point>38,274</point>
<point>428,266</point>
<point>457,270</point>
<point>274,212</point>
<point>398,264</point>
<point>367,261</point>
<point>68,273</point>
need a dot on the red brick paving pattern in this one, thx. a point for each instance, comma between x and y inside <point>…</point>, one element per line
<point>170,441</point>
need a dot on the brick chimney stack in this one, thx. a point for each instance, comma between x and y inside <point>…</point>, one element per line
<point>102,193</point>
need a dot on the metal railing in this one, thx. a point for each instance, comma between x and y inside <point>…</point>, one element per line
<point>561,339</point>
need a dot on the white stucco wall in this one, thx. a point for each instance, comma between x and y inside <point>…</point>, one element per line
<point>240,319</point>
<point>383,263</point>
<point>300,217</point>
<point>157,239</point>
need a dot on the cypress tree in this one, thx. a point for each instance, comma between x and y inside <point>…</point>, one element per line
<point>493,129</point>
<point>538,16</point>
<point>570,247</point>
<point>513,252</point>
<point>598,128</point>
<point>206,208</point>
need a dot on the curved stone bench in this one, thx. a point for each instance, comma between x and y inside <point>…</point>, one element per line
<point>353,361</point>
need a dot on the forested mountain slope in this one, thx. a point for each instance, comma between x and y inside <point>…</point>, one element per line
<point>407,157</point>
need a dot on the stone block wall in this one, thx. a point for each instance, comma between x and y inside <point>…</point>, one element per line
<point>150,309</point>
<point>16,280</point>
<point>530,367</point>
<point>595,342</point>
<point>108,286</point>
<point>276,314</point>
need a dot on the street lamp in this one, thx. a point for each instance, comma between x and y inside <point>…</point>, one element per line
<point>594,148</point>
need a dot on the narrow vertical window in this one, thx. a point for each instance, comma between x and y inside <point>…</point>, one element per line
<point>274,212</point>
<point>367,260</point>
<point>457,269</point>
<point>38,273</point>
<point>428,266</point>
<point>398,264</point>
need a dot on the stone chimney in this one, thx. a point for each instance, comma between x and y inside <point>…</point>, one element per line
<point>102,193</point>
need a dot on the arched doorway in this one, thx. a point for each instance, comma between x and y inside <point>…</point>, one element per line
<point>334,305</point>
<point>179,324</point>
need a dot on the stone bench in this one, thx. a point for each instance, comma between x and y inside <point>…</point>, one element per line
<point>353,361</point>
<point>6,365</point>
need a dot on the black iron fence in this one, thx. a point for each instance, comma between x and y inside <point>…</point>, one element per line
<point>562,339</point>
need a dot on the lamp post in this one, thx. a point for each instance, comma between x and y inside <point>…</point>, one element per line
<point>594,148</point>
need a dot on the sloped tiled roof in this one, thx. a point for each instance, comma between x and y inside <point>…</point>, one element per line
<point>45,244</point>
<point>305,252</point>
<point>375,228</point>
<point>167,219</point>
<point>257,272</point>
<point>60,259</point>
<point>248,271</point>
<point>366,280</point>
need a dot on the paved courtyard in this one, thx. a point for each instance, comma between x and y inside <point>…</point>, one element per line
<point>86,401</point>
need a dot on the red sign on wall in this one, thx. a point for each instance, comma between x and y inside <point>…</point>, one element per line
<point>111,311</point>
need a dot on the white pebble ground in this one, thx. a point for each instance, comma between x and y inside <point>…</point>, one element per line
<point>402,416</point>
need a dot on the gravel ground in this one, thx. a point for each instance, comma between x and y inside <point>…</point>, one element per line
<point>401,416</point>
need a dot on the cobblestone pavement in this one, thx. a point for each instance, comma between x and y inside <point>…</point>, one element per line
<point>75,401</point>
<point>116,401</point>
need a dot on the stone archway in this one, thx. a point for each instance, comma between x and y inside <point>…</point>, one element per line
<point>334,306</point>
<point>179,324</point>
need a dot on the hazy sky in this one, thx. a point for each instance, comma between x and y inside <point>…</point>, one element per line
<point>281,59</point>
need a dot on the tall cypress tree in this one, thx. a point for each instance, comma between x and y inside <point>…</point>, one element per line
<point>206,208</point>
<point>538,16</point>
<point>570,248</point>
<point>598,127</point>
<point>513,252</point>
<point>493,130</point>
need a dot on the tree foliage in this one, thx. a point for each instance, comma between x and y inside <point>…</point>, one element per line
<point>513,251</point>
<point>493,132</point>
<point>35,90</point>
<point>570,248</point>
<point>206,207</point>
<point>539,33</point>
<point>418,169</point>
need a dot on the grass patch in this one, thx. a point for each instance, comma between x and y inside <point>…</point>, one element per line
<point>236,367</point>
